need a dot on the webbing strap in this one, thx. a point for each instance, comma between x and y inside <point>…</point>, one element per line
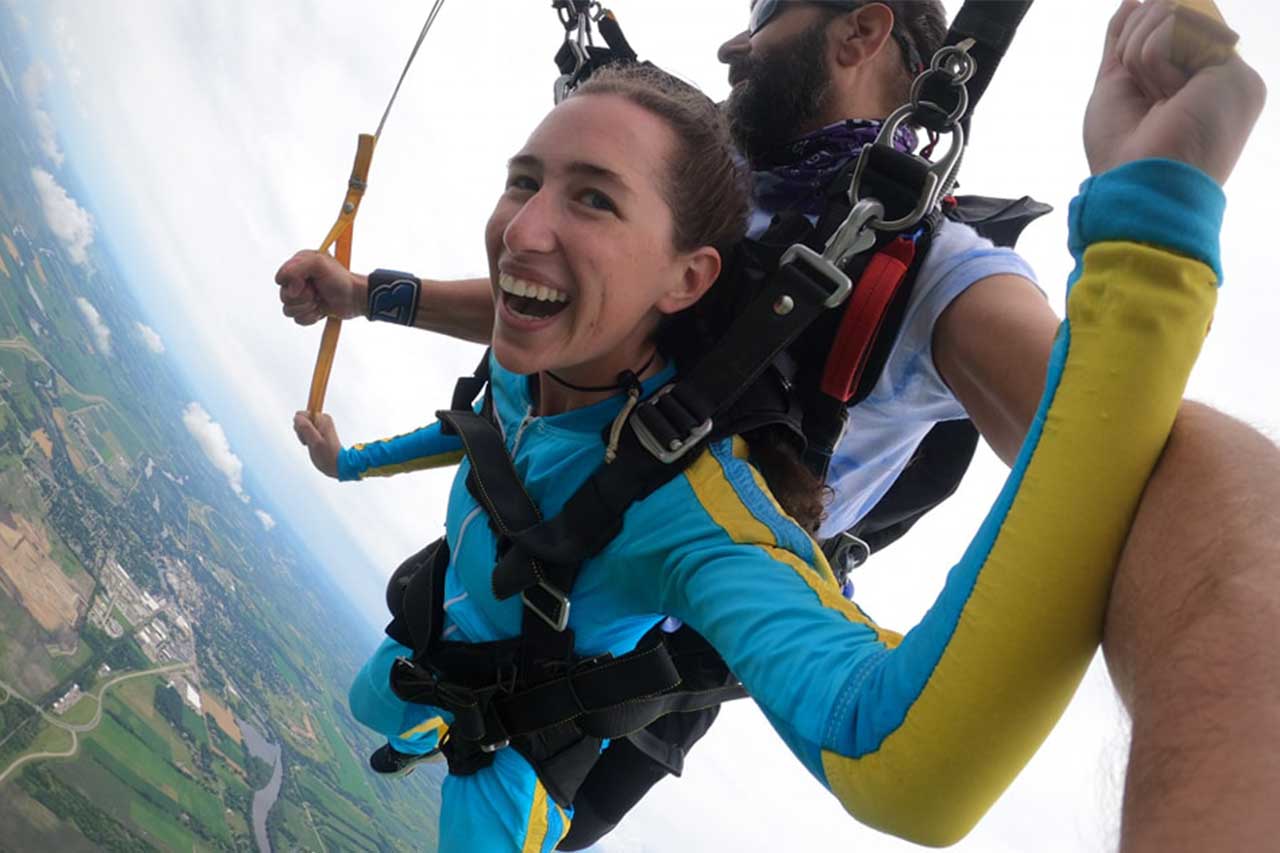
<point>340,234</point>
<point>992,26</point>
<point>864,316</point>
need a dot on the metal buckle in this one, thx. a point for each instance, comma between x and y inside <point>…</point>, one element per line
<point>853,237</point>
<point>494,747</point>
<point>561,621</point>
<point>678,446</point>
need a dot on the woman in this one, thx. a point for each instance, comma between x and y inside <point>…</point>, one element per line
<point>614,218</point>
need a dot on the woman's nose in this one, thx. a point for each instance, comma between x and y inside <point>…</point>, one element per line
<point>532,228</point>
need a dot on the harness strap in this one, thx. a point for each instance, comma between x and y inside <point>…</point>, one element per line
<point>864,316</point>
<point>992,26</point>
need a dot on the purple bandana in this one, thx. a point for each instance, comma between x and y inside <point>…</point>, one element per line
<point>794,177</point>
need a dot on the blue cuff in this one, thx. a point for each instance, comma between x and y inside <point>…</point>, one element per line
<point>1163,203</point>
<point>348,467</point>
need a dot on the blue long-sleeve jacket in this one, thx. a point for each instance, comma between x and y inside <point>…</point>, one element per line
<point>916,735</point>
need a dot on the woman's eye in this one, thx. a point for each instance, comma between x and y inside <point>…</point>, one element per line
<point>598,201</point>
<point>524,183</point>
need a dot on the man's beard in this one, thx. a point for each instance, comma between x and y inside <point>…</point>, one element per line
<point>782,95</point>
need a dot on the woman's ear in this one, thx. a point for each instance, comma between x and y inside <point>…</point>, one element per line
<point>700,269</point>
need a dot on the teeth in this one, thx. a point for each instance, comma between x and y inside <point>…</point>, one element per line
<point>518,287</point>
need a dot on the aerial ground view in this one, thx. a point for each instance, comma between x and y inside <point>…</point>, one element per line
<point>172,664</point>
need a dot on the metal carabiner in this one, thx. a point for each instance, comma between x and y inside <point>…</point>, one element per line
<point>577,44</point>
<point>956,63</point>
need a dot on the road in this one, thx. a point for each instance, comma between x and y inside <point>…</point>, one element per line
<point>76,729</point>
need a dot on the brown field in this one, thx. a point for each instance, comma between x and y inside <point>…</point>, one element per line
<point>42,438</point>
<point>35,580</point>
<point>40,272</point>
<point>69,441</point>
<point>305,730</point>
<point>13,250</point>
<point>221,715</point>
<point>3,269</point>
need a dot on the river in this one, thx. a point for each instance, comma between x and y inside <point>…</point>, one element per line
<point>263,800</point>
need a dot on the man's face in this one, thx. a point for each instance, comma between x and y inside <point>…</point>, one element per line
<point>780,78</point>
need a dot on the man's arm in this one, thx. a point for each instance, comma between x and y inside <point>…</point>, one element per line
<point>313,285</point>
<point>991,345</point>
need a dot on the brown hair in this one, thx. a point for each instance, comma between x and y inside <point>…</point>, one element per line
<point>705,188</point>
<point>921,24</point>
<point>707,191</point>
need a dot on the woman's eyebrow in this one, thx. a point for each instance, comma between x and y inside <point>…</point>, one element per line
<point>525,161</point>
<point>596,172</point>
<point>581,168</point>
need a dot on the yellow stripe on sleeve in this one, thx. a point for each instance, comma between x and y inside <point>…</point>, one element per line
<point>442,460</point>
<point>1034,618</point>
<point>721,502</point>
<point>435,724</point>
<point>536,833</point>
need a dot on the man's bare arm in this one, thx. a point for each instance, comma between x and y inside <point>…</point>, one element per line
<point>459,309</point>
<point>992,347</point>
<point>314,286</point>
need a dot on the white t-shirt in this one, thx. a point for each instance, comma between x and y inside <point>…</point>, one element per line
<point>910,396</point>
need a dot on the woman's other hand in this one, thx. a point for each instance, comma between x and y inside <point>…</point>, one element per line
<point>1149,101</point>
<point>320,437</point>
<point>313,285</point>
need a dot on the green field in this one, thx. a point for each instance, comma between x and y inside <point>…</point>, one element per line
<point>330,807</point>
<point>28,825</point>
<point>135,763</point>
<point>82,712</point>
<point>62,666</point>
<point>124,717</point>
<point>352,776</point>
<point>163,831</point>
<point>51,739</point>
<point>24,661</point>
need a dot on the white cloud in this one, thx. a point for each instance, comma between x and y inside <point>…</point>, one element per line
<point>267,521</point>
<point>35,80</point>
<point>24,23</point>
<point>150,338</point>
<point>68,50</point>
<point>68,221</point>
<point>213,441</point>
<point>101,334</point>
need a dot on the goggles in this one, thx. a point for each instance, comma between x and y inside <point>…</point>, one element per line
<point>764,11</point>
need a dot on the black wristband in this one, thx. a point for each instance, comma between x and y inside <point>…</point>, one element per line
<point>393,297</point>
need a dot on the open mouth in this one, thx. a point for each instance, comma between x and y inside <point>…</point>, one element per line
<point>528,299</point>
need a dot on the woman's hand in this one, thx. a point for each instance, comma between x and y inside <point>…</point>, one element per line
<point>313,285</point>
<point>1146,104</point>
<point>321,440</point>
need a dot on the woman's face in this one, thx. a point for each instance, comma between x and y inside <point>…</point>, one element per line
<point>580,246</point>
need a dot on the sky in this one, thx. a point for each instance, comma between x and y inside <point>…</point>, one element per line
<point>211,141</point>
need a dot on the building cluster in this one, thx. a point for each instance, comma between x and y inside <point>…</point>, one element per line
<point>163,633</point>
<point>67,700</point>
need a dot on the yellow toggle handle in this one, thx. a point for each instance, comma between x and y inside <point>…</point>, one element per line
<point>340,234</point>
<point>1201,36</point>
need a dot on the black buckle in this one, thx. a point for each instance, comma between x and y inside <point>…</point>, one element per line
<point>560,620</point>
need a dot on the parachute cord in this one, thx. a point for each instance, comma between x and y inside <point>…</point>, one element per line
<point>435,10</point>
<point>615,431</point>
